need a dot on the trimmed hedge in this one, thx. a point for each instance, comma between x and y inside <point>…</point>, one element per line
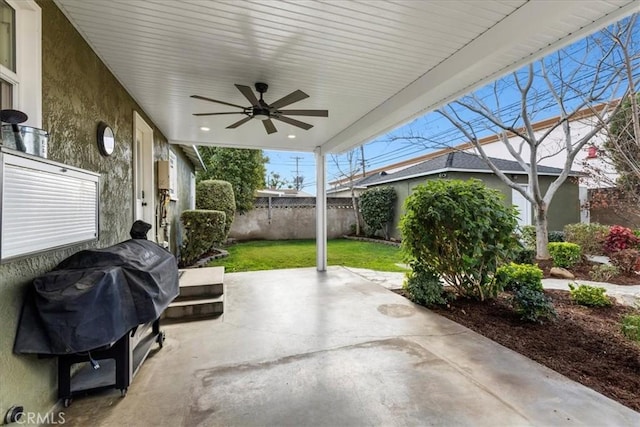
<point>513,276</point>
<point>217,195</point>
<point>565,255</point>
<point>202,231</point>
<point>376,205</point>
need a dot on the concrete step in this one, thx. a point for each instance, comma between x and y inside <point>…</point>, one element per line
<point>204,282</point>
<point>195,309</point>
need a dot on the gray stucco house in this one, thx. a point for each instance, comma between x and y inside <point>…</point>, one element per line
<point>564,209</point>
<point>66,90</point>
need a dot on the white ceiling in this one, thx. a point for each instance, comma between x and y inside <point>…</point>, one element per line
<point>373,64</point>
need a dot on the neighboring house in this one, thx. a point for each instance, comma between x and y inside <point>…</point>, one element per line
<point>63,86</point>
<point>550,153</point>
<point>359,185</point>
<point>564,209</point>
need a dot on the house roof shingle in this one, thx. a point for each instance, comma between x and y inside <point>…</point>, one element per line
<point>455,161</point>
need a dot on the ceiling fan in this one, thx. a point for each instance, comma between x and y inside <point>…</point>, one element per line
<point>260,110</point>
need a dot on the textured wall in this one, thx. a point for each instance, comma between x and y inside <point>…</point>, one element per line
<point>184,198</point>
<point>293,220</point>
<point>78,92</point>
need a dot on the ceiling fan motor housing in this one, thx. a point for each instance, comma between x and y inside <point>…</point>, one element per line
<point>261,87</point>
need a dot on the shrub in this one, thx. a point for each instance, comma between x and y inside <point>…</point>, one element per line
<point>524,255</point>
<point>620,238</point>
<point>217,195</point>
<point>528,236</point>
<point>631,327</point>
<point>514,276</point>
<point>376,205</point>
<point>603,272</point>
<point>532,305</point>
<point>202,230</point>
<point>556,236</point>
<point>626,260</point>
<point>590,237</point>
<point>590,296</point>
<point>564,254</point>
<point>423,285</point>
<point>461,229</point>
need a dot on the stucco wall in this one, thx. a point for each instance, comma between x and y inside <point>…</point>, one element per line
<point>564,209</point>
<point>289,218</point>
<point>184,199</point>
<point>78,92</point>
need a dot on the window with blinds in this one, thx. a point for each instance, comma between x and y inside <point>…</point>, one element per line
<point>45,205</point>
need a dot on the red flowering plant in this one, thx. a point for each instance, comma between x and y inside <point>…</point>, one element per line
<point>620,238</point>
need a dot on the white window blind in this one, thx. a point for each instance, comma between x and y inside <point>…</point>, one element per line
<point>45,205</point>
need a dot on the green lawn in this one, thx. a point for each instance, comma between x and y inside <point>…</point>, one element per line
<point>276,254</point>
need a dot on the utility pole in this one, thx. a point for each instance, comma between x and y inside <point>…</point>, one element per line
<point>364,173</point>
<point>297,181</point>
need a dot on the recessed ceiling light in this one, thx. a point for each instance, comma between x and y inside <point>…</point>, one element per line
<point>291,136</point>
<point>205,129</point>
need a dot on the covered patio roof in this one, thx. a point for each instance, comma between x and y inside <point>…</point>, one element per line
<point>373,64</point>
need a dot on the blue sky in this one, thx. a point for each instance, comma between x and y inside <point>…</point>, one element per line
<point>386,150</point>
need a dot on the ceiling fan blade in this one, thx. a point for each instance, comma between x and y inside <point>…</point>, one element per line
<point>316,113</point>
<point>296,96</point>
<point>239,122</point>
<point>294,122</point>
<point>269,126</point>
<point>248,93</point>
<point>216,101</point>
<point>217,114</point>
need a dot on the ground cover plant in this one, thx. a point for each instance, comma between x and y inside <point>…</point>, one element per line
<point>277,254</point>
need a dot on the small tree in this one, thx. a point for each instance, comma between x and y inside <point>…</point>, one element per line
<point>217,195</point>
<point>460,229</point>
<point>275,181</point>
<point>376,205</point>
<point>243,168</point>
<point>349,171</point>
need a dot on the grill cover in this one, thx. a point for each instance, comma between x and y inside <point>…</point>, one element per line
<point>95,296</point>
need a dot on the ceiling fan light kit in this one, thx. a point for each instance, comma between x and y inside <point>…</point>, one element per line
<point>264,112</point>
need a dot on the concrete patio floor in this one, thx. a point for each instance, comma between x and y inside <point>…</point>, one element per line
<point>302,348</point>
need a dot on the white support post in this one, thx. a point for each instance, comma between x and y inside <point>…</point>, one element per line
<point>321,211</point>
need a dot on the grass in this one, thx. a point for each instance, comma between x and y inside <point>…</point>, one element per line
<point>277,254</point>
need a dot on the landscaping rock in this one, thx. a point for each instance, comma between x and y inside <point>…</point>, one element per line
<point>561,273</point>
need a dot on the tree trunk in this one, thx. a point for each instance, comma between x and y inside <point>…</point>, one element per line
<point>354,202</point>
<point>542,233</point>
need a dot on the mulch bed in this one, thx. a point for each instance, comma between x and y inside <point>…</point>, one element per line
<point>584,344</point>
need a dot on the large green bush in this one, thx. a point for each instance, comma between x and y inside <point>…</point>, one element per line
<point>202,231</point>
<point>424,286</point>
<point>217,195</point>
<point>590,237</point>
<point>376,205</point>
<point>564,254</point>
<point>462,230</point>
